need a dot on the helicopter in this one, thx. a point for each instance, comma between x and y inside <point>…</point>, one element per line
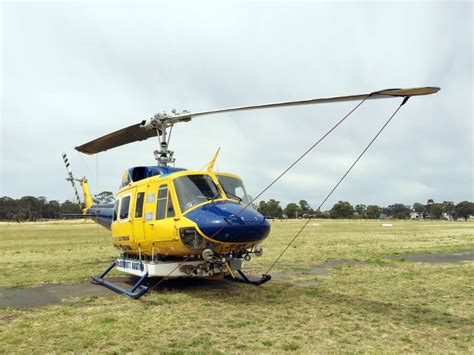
<point>173,222</point>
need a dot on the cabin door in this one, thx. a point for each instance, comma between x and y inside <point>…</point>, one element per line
<point>138,215</point>
<point>165,214</point>
<point>122,231</point>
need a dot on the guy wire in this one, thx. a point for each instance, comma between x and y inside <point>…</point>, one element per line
<point>273,182</point>
<point>338,183</point>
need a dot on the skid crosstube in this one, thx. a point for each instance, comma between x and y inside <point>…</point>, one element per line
<point>142,289</point>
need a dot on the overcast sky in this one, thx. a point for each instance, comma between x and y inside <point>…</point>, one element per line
<point>74,71</point>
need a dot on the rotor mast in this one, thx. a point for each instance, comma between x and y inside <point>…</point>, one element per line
<point>161,122</point>
<point>163,155</point>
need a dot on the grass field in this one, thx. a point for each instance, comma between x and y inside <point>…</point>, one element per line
<point>343,286</point>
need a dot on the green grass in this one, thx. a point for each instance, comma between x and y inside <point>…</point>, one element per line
<point>376,305</point>
<point>53,252</point>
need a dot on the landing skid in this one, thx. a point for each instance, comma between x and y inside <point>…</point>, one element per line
<point>172,269</point>
<point>244,279</point>
<point>133,293</point>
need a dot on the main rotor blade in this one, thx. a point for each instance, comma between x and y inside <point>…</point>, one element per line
<point>145,130</point>
<point>383,94</point>
<point>123,136</point>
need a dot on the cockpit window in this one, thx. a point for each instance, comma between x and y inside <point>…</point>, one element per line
<point>124,207</point>
<point>195,189</point>
<point>234,188</point>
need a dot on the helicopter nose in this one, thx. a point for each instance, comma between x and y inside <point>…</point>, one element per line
<point>224,221</point>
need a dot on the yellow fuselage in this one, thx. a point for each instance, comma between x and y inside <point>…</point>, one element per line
<point>149,219</point>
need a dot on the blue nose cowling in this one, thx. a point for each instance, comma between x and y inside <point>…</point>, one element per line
<point>222,222</point>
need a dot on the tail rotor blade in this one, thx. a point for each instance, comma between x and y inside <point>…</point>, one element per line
<point>71,177</point>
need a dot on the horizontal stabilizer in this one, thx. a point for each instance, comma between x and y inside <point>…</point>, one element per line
<point>77,215</point>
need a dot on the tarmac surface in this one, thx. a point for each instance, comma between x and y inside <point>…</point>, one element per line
<point>49,294</point>
<point>436,258</point>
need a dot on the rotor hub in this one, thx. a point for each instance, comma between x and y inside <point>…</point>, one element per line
<point>163,122</point>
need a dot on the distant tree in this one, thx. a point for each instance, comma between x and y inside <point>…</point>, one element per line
<point>292,210</point>
<point>361,210</point>
<point>8,208</point>
<point>104,197</point>
<point>321,214</point>
<point>270,209</point>
<point>448,208</point>
<point>30,208</point>
<point>51,210</point>
<point>69,207</point>
<point>386,212</point>
<point>464,209</point>
<point>373,211</point>
<point>400,211</point>
<point>305,208</point>
<point>435,210</point>
<point>342,209</point>
<point>420,209</point>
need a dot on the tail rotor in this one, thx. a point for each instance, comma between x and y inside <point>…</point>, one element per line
<point>70,178</point>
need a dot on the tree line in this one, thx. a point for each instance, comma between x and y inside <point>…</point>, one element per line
<point>343,209</point>
<point>29,208</point>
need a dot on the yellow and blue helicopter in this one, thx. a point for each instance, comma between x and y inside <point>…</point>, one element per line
<point>172,222</point>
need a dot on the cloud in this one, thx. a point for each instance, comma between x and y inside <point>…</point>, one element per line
<point>75,71</point>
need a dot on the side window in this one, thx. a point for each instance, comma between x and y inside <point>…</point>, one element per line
<point>124,207</point>
<point>139,205</point>
<point>170,211</point>
<point>150,198</point>
<point>161,203</point>
<point>116,205</point>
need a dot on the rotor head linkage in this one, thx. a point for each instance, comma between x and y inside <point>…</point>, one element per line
<point>161,122</point>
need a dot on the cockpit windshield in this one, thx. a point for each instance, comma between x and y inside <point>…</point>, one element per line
<point>195,189</point>
<point>234,188</point>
